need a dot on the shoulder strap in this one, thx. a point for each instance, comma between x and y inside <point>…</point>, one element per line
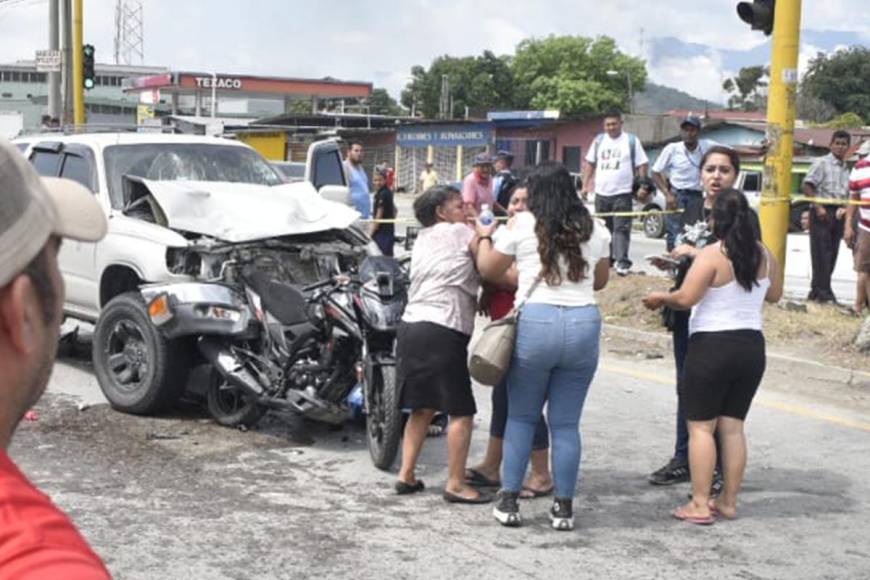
<point>528,295</point>
<point>632,142</point>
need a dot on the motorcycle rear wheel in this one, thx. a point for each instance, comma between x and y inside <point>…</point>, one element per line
<point>384,419</point>
<point>229,406</point>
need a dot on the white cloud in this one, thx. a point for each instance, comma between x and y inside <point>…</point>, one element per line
<point>701,76</point>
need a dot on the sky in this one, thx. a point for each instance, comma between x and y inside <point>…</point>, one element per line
<point>379,41</point>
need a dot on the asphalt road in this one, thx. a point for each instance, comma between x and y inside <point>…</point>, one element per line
<point>179,497</point>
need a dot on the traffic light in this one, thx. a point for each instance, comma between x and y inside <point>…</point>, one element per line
<point>758,14</point>
<point>88,76</point>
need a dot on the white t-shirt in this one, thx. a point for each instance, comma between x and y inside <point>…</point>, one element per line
<point>522,243</point>
<point>613,171</point>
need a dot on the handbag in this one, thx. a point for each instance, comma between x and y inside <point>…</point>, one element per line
<point>491,354</point>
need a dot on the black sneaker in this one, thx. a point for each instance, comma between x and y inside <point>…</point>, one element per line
<point>507,509</point>
<point>676,471</point>
<point>562,514</point>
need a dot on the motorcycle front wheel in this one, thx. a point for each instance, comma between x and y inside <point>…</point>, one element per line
<point>384,418</point>
<point>229,406</point>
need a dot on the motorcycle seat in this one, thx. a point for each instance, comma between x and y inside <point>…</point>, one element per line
<point>283,301</point>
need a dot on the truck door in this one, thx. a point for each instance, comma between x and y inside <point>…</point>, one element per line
<point>325,171</point>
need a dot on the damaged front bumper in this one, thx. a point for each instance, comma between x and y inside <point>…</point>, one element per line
<point>195,308</point>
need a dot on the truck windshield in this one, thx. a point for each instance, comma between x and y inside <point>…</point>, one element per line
<point>184,161</point>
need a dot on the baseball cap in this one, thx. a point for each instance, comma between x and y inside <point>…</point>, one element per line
<point>33,208</point>
<point>691,120</point>
<point>864,149</point>
<point>506,155</point>
<point>482,159</point>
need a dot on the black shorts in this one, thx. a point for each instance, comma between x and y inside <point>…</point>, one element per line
<point>722,373</point>
<point>432,369</point>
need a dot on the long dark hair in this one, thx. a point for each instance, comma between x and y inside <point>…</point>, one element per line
<point>732,223</point>
<point>562,222</point>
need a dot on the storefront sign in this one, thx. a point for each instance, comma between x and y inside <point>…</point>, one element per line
<point>445,135</point>
<point>221,83</point>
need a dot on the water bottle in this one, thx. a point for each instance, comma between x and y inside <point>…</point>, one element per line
<point>486,216</point>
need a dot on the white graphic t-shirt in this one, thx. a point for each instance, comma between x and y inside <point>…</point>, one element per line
<point>612,159</point>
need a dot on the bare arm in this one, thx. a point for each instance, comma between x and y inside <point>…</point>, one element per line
<point>602,274</point>
<point>588,174</point>
<point>662,184</point>
<point>774,293</point>
<point>379,215</point>
<point>491,263</point>
<point>643,170</point>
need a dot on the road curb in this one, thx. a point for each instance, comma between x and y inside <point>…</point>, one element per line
<point>812,370</point>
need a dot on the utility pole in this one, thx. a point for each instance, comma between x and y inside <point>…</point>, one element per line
<point>781,112</point>
<point>54,44</point>
<point>66,69</point>
<point>78,88</point>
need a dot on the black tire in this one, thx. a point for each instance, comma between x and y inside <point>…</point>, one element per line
<point>139,371</point>
<point>654,223</point>
<point>229,406</point>
<point>384,419</point>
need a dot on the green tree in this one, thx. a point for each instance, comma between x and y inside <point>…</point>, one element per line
<point>841,79</point>
<point>746,88</point>
<point>381,103</point>
<point>570,73</point>
<point>481,83</point>
<point>845,121</point>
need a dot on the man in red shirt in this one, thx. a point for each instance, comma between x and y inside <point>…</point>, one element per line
<point>37,540</point>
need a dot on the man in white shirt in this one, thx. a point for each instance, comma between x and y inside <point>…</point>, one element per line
<point>428,178</point>
<point>614,160</point>
<point>677,172</point>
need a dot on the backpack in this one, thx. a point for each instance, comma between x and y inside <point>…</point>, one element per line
<point>508,182</point>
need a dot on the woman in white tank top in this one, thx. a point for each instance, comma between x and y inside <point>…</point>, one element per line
<point>725,288</point>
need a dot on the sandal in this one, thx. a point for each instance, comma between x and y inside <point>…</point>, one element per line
<point>481,498</point>
<point>403,488</point>
<point>682,515</point>
<point>529,493</point>
<point>475,478</point>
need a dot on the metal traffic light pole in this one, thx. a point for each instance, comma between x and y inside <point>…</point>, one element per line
<point>781,112</point>
<point>77,86</point>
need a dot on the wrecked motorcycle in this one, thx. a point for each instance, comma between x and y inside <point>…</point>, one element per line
<point>278,345</point>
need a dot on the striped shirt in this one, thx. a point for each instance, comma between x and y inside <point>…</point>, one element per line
<point>830,176</point>
<point>859,185</point>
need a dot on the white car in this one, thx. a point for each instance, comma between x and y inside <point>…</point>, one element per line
<point>178,208</point>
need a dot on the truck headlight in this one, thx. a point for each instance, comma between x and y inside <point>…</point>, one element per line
<point>218,312</point>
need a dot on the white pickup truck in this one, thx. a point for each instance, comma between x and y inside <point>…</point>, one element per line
<point>178,207</point>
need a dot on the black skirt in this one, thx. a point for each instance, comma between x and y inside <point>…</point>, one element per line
<point>432,369</point>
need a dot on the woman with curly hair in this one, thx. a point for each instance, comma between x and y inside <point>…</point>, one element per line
<point>562,256</point>
<point>725,288</point>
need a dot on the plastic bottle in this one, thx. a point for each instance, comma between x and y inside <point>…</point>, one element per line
<point>486,216</point>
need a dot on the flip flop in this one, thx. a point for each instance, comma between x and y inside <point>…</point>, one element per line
<point>403,488</point>
<point>680,514</point>
<point>529,493</point>
<point>716,513</point>
<point>481,498</point>
<point>475,478</point>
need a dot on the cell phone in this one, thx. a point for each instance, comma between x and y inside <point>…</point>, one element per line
<point>663,258</point>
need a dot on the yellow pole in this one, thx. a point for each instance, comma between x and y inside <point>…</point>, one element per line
<point>776,190</point>
<point>78,88</point>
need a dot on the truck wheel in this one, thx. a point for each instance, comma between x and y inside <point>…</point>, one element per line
<point>139,370</point>
<point>384,419</point>
<point>654,223</point>
<point>229,406</point>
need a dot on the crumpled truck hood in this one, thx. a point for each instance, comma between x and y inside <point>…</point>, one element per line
<point>242,212</point>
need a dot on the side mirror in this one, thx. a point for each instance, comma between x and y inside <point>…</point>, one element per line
<point>336,193</point>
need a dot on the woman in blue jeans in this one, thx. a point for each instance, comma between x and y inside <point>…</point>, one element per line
<point>562,256</point>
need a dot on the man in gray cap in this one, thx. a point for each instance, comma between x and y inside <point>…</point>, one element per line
<point>37,540</point>
<point>504,180</point>
<point>477,186</point>
<point>677,173</point>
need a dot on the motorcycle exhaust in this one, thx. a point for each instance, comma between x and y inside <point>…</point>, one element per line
<point>230,367</point>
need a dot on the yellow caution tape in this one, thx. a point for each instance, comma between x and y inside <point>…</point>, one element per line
<point>818,200</point>
<point>412,221</point>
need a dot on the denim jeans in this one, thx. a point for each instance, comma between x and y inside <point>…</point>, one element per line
<point>498,422</point>
<point>554,360</point>
<point>681,348</point>
<point>619,226</point>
